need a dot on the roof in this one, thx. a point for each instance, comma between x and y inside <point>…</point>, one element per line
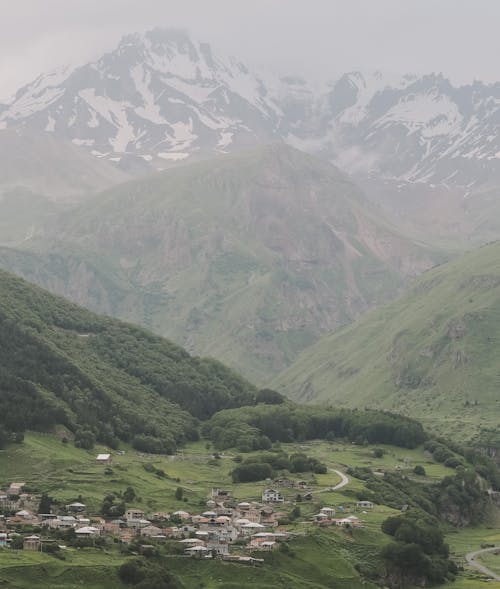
<point>103,456</point>
<point>87,530</point>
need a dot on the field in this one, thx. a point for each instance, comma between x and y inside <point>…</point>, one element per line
<point>319,559</point>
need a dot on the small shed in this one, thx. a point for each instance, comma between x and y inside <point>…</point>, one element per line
<point>104,459</point>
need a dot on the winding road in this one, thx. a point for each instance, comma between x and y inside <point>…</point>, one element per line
<point>344,480</point>
<point>471,561</point>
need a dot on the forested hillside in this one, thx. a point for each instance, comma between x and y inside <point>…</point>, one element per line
<point>101,378</point>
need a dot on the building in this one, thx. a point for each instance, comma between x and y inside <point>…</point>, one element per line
<point>14,489</point>
<point>134,514</point>
<point>75,507</point>
<point>32,543</point>
<point>87,531</point>
<point>329,511</point>
<point>220,494</point>
<point>365,504</point>
<point>104,459</point>
<point>272,496</point>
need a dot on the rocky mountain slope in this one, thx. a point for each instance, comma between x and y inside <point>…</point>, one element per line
<point>248,258</point>
<point>159,96</point>
<point>432,354</point>
<point>163,97</point>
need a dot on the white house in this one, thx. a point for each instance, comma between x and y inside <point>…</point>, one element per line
<point>103,459</point>
<point>87,531</point>
<point>272,496</point>
<point>365,504</point>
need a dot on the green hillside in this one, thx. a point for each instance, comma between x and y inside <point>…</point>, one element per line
<point>248,258</point>
<point>433,354</point>
<point>100,378</point>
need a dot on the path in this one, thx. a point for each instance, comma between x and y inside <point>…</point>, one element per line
<point>471,560</point>
<point>344,480</point>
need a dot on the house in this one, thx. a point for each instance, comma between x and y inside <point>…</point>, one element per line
<point>250,528</point>
<point>192,542</point>
<point>104,459</point>
<point>365,504</point>
<point>138,524</point>
<point>134,514</point>
<point>272,496</point>
<point>220,494</point>
<point>181,514</point>
<point>24,514</point>
<point>349,522</point>
<point>75,507</point>
<point>14,489</point>
<point>62,522</point>
<point>32,543</point>
<point>151,531</point>
<point>329,511</point>
<point>87,531</point>
<point>196,551</point>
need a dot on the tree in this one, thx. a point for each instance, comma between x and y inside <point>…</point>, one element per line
<point>179,493</point>
<point>269,397</point>
<point>129,494</point>
<point>45,503</point>
<point>419,470</point>
<point>85,439</point>
<point>132,571</point>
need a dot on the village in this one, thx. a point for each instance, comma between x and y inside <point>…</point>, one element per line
<point>226,528</point>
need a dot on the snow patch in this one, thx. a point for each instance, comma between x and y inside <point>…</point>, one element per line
<point>172,155</point>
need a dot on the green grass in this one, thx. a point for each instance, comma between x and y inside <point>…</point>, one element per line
<point>431,355</point>
<point>321,558</point>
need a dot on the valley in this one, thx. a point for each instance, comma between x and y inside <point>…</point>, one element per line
<point>247,258</point>
<point>249,318</point>
<point>431,354</point>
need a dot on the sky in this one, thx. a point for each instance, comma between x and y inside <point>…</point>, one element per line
<point>319,39</point>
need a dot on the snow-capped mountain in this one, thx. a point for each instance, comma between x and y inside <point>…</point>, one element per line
<point>161,97</point>
<point>410,129</point>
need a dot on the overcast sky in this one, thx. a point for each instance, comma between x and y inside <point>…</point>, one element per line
<point>319,38</point>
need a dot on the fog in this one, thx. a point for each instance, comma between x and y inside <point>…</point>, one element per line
<point>316,38</point>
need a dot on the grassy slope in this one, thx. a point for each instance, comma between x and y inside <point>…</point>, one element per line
<point>247,258</point>
<point>99,370</point>
<point>432,354</point>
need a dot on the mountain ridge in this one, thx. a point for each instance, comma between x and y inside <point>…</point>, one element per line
<point>161,97</point>
<point>248,257</point>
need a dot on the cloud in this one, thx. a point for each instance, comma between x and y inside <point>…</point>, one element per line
<point>321,38</point>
